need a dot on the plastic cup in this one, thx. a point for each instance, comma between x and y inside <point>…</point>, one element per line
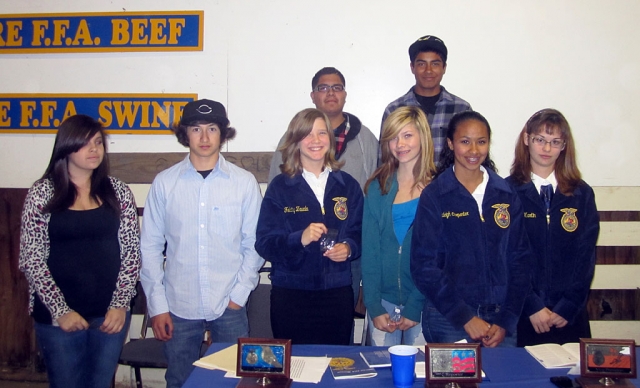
<point>403,364</point>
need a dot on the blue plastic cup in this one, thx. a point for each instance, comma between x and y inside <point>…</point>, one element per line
<point>403,364</point>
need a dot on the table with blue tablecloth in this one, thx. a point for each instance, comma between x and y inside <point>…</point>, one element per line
<point>504,367</point>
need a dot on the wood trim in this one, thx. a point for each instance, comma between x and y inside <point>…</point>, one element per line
<point>619,234</point>
<point>616,329</point>
<point>138,167</point>
<point>616,277</point>
<point>619,216</point>
<point>617,255</point>
<point>617,198</point>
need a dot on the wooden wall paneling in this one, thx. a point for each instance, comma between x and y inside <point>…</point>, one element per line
<point>616,330</point>
<point>617,255</point>
<point>614,301</point>
<point>613,305</point>
<point>143,167</point>
<point>619,234</point>
<point>16,326</point>
<point>616,277</point>
<point>617,198</point>
<point>619,215</point>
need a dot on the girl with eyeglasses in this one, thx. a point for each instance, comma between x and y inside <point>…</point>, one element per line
<point>469,254</point>
<point>562,224</point>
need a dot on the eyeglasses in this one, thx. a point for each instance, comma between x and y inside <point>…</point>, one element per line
<point>541,141</point>
<point>324,88</point>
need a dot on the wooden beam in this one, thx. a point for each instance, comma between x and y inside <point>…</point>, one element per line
<point>140,167</point>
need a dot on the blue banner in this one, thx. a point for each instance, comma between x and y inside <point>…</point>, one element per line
<point>101,32</point>
<point>119,113</point>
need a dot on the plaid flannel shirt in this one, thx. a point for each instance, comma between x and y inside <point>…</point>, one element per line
<point>446,107</point>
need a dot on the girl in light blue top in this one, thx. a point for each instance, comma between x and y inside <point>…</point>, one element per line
<point>393,302</point>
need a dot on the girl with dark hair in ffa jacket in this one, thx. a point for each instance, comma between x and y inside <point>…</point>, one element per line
<point>470,255</point>
<point>562,223</point>
<point>305,210</point>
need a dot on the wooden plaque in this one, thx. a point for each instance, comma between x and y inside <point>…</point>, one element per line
<point>264,363</point>
<point>453,365</point>
<point>605,362</point>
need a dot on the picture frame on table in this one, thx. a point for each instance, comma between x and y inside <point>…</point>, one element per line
<point>453,365</point>
<point>606,362</point>
<point>264,363</point>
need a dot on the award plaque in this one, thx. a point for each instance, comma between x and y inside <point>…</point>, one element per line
<point>607,363</point>
<point>452,365</point>
<point>263,363</point>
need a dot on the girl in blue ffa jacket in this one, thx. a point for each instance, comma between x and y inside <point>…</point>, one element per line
<point>394,304</point>
<point>310,229</point>
<point>561,219</point>
<point>470,254</point>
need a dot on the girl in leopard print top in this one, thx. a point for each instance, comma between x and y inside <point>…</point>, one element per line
<point>80,251</point>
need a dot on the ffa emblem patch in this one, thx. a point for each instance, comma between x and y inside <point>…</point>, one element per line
<point>502,216</point>
<point>341,362</point>
<point>569,220</point>
<point>340,208</point>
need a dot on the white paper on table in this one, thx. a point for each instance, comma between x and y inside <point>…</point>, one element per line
<point>303,369</point>
<point>224,359</point>
<point>420,370</point>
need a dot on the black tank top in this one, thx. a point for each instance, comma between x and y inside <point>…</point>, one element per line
<point>84,260</point>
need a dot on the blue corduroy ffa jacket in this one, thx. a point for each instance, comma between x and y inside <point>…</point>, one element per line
<point>288,207</point>
<point>564,251</point>
<point>460,260</point>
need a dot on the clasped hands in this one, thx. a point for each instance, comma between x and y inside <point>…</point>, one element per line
<point>384,323</point>
<point>313,232</point>
<point>545,319</point>
<point>480,330</point>
<point>113,321</point>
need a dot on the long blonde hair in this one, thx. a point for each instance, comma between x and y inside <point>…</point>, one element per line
<point>424,168</point>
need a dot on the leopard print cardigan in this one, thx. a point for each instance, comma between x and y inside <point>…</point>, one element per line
<point>34,248</point>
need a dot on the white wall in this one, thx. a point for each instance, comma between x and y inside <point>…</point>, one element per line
<point>507,58</point>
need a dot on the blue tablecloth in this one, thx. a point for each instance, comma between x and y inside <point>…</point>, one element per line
<point>504,367</point>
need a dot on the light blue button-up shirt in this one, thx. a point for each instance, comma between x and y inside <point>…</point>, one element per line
<point>209,225</point>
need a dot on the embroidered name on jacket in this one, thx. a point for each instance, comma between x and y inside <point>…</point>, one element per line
<point>569,219</point>
<point>501,215</point>
<point>340,208</point>
<point>529,215</point>
<point>454,214</point>
<point>296,209</point>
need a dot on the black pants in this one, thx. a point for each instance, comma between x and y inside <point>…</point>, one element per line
<point>312,317</point>
<point>527,335</point>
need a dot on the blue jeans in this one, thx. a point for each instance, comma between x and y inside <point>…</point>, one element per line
<point>84,358</point>
<point>436,328</point>
<point>183,349</point>
<point>382,338</point>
